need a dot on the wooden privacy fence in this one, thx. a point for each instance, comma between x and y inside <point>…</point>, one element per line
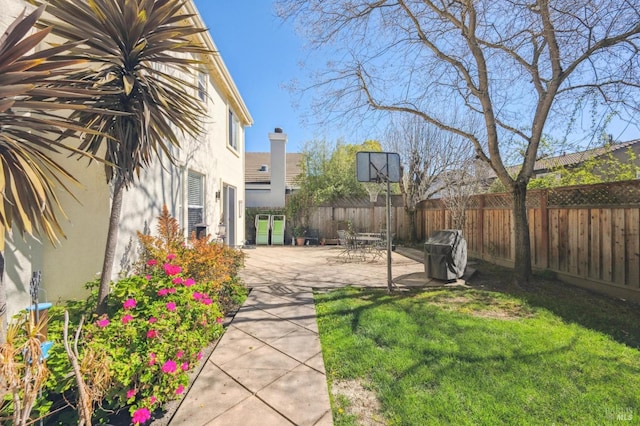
<point>589,235</point>
<point>363,215</point>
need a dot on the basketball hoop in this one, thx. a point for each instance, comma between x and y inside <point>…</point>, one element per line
<point>373,194</point>
<point>375,168</point>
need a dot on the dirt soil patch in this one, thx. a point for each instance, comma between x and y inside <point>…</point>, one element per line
<point>363,403</point>
<point>484,306</point>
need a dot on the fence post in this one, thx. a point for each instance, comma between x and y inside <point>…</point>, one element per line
<point>544,216</point>
<point>481,225</point>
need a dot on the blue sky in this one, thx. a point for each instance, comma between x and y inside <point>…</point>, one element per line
<point>262,54</point>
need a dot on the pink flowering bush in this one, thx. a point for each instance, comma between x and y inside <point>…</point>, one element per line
<point>153,334</point>
<point>155,330</point>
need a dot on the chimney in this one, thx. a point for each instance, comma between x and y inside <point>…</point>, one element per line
<point>278,141</point>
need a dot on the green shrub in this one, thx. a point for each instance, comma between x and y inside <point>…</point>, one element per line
<point>157,322</point>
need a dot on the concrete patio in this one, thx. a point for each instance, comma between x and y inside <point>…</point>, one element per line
<point>267,369</point>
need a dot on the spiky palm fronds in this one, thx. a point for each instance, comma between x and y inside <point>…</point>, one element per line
<point>142,54</point>
<point>31,97</point>
<point>140,51</point>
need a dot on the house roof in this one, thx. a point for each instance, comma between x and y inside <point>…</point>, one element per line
<point>254,161</point>
<point>576,158</point>
<point>572,159</point>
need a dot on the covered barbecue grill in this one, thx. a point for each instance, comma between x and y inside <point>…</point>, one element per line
<point>445,255</point>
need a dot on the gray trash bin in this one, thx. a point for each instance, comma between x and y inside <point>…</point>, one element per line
<point>445,255</point>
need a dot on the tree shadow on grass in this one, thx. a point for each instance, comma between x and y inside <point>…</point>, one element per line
<point>616,318</point>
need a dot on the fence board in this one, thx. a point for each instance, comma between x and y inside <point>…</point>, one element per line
<point>619,246</point>
<point>583,242</point>
<point>595,259</point>
<point>607,245</point>
<point>554,256</point>
<point>563,249</point>
<point>633,247</point>
<point>572,240</point>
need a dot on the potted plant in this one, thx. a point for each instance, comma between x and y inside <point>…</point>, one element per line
<point>299,233</point>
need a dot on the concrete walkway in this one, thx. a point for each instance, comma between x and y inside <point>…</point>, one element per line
<point>267,369</point>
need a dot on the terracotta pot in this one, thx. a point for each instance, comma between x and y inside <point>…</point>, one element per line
<point>300,241</point>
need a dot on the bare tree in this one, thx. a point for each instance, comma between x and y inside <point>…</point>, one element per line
<point>516,65</point>
<point>426,153</point>
<point>459,185</point>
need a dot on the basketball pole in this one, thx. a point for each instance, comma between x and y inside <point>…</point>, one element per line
<point>389,280</point>
<point>386,165</point>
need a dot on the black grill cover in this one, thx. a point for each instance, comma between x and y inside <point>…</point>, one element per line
<point>445,255</point>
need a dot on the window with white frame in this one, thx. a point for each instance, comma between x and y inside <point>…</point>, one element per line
<point>234,131</point>
<point>202,85</point>
<point>195,196</point>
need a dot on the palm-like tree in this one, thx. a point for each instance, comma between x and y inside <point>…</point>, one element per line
<point>32,90</point>
<point>138,51</point>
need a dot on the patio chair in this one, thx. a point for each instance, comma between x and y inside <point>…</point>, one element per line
<point>277,229</point>
<point>351,248</point>
<point>263,225</point>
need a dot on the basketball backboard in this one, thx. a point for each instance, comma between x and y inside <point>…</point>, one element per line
<point>372,166</point>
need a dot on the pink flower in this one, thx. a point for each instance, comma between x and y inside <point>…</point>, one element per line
<point>131,393</point>
<point>197,295</point>
<point>152,334</point>
<point>180,390</point>
<point>172,269</point>
<point>148,277</point>
<point>171,306</point>
<point>177,280</point>
<point>169,366</point>
<point>129,304</point>
<point>206,301</point>
<point>172,290</point>
<point>163,292</point>
<point>152,262</point>
<point>126,318</point>
<point>184,366</point>
<point>219,320</point>
<point>141,415</point>
<point>152,399</point>
<point>171,256</point>
<point>102,323</point>
<point>189,282</point>
<point>152,320</point>
<point>152,358</point>
<point>199,356</point>
<point>180,354</point>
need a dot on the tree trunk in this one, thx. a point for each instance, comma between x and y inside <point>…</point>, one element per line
<point>3,303</point>
<point>522,267</point>
<point>110,250</point>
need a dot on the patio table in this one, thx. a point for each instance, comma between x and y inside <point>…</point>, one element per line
<point>362,246</point>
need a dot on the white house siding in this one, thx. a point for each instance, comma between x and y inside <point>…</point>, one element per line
<point>78,258</point>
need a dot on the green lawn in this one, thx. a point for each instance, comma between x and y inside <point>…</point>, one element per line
<point>480,357</point>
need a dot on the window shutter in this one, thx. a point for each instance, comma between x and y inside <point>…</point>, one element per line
<point>195,201</point>
<point>195,191</point>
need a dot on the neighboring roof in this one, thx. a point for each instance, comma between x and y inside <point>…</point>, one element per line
<point>254,160</point>
<point>575,158</point>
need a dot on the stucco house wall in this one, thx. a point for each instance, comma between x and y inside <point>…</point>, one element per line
<point>78,257</point>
